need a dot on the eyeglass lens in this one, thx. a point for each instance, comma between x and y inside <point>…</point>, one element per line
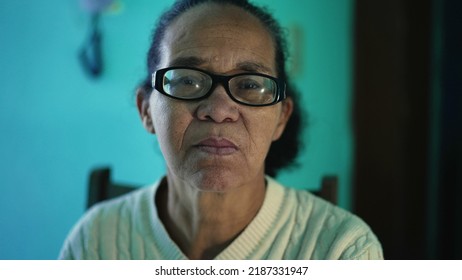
<point>193,84</point>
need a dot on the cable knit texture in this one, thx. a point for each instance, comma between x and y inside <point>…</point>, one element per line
<point>292,224</point>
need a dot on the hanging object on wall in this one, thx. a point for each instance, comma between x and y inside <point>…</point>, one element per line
<point>90,54</point>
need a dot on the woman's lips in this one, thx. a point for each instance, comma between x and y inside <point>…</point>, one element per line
<point>217,146</point>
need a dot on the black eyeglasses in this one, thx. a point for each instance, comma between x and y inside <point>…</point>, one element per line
<point>186,83</point>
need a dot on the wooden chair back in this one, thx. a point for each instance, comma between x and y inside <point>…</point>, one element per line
<point>101,187</point>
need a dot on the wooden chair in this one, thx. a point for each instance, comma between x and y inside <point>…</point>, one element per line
<point>101,187</point>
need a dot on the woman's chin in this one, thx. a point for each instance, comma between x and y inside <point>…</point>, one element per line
<point>220,182</point>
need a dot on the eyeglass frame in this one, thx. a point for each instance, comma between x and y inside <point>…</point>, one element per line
<point>158,76</point>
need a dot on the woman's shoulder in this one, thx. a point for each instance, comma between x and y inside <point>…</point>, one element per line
<point>116,208</point>
<point>113,219</point>
<point>328,231</point>
<point>305,203</point>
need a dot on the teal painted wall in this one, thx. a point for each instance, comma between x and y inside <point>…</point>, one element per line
<point>56,123</point>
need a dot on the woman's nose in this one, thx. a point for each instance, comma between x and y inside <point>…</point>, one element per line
<point>218,107</point>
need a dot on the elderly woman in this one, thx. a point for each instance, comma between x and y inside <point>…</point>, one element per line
<point>218,100</point>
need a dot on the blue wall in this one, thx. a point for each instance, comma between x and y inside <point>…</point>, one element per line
<point>56,123</point>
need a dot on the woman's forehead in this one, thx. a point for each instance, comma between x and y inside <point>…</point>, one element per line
<point>226,14</point>
<point>210,32</point>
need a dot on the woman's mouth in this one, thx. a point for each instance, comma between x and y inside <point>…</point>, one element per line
<point>217,146</point>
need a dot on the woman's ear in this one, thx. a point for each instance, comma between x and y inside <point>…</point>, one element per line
<point>142,103</point>
<point>286,112</point>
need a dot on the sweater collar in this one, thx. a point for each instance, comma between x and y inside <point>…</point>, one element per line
<point>248,245</point>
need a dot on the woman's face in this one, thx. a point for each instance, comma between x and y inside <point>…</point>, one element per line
<point>216,144</point>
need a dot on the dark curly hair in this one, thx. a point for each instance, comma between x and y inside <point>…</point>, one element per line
<point>283,152</point>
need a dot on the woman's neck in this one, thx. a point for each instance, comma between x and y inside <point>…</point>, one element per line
<point>203,224</point>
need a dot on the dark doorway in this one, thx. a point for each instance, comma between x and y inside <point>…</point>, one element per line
<point>407,120</point>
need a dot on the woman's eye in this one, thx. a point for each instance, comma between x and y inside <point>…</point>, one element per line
<point>188,81</point>
<point>249,85</point>
<point>184,81</point>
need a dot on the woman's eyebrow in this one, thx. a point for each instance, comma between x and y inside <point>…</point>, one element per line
<point>194,61</point>
<point>190,61</point>
<point>252,66</point>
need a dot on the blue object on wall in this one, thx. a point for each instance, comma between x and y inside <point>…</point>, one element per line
<point>90,55</point>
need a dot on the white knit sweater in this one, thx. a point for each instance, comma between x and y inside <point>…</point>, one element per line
<point>292,224</point>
